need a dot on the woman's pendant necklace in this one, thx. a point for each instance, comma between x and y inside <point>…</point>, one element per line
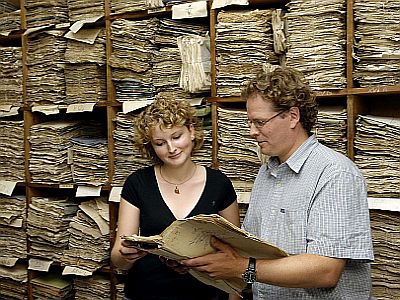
<point>177,190</point>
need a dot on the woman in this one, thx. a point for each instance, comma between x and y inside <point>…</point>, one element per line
<point>173,188</point>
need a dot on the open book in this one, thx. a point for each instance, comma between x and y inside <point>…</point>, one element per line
<point>188,238</point>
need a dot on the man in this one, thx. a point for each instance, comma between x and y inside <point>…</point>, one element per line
<point>309,200</point>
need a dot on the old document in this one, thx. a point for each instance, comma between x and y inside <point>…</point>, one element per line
<point>188,238</point>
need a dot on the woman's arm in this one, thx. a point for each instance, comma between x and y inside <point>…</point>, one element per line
<point>231,213</point>
<point>123,256</point>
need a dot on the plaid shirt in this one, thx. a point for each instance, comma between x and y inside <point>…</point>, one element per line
<point>315,202</point>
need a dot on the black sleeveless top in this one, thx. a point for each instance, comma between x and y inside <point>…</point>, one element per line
<point>149,278</point>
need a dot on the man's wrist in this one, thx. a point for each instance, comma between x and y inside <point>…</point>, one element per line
<point>249,275</point>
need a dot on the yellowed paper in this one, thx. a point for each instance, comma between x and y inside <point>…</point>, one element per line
<point>190,10</point>
<point>190,238</point>
<point>87,191</point>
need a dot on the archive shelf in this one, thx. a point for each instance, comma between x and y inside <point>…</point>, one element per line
<point>381,100</point>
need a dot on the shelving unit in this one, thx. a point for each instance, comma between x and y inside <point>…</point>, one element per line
<point>381,100</point>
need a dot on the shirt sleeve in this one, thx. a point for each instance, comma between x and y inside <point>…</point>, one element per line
<point>339,224</point>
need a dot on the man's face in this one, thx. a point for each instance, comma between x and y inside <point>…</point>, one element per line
<point>270,128</point>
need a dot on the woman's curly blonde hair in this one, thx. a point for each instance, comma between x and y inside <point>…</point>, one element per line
<point>285,88</point>
<point>167,113</point>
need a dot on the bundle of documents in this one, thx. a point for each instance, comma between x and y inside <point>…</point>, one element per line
<point>13,282</point>
<point>46,81</point>
<point>46,12</point>
<point>377,47</point>
<point>13,227</point>
<point>124,6</point>
<point>12,155</point>
<point>50,141</point>
<point>8,6</point>
<point>133,49</point>
<point>93,287</point>
<point>89,241</point>
<point>166,68</point>
<point>244,41</point>
<point>89,160</point>
<point>48,223</point>
<point>85,71</point>
<point>84,9</point>
<point>240,160</point>
<point>203,156</point>
<point>188,238</point>
<point>86,46</point>
<point>316,39</point>
<point>11,76</point>
<point>377,153</point>
<point>52,287</point>
<point>9,21</point>
<point>331,127</point>
<point>169,30</point>
<point>127,157</point>
<point>386,266</point>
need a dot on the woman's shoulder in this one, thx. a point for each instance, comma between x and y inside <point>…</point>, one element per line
<point>215,174</point>
<point>144,172</point>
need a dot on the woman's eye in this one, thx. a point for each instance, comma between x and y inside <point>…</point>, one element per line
<point>176,137</point>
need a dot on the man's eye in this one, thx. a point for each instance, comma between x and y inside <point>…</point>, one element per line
<point>176,137</point>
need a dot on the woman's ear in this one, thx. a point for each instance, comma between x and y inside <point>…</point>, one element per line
<point>192,132</point>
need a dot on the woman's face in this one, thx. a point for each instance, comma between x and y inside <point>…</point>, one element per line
<point>173,145</point>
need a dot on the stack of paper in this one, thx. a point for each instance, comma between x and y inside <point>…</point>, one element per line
<point>13,227</point>
<point>316,38</point>
<point>127,157</point>
<point>10,20</point>
<point>377,153</point>
<point>13,282</point>
<point>89,241</point>
<point>244,41</point>
<point>11,76</point>
<point>46,81</point>
<point>331,127</point>
<point>120,291</point>
<point>84,9</point>
<point>8,6</point>
<point>169,30</point>
<point>89,160</point>
<point>203,156</point>
<point>48,162</point>
<point>52,287</point>
<point>86,46</point>
<point>48,222</point>
<point>46,12</point>
<point>94,287</point>
<point>85,71</point>
<point>12,157</point>
<point>133,49</point>
<point>386,267</point>
<point>377,47</point>
<point>124,6</point>
<point>239,160</point>
<point>166,68</point>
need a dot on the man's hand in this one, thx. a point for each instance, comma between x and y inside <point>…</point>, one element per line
<point>224,263</point>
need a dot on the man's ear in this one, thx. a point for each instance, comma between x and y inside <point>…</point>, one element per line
<point>294,115</point>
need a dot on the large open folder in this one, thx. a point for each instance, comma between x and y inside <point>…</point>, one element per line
<point>190,237</point>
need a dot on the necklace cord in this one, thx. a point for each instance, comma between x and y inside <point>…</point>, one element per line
<point>176,184</point>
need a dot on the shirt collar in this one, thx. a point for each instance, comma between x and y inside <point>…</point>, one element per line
<point>298,158</point>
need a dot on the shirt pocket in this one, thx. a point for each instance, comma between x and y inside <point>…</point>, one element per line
<point>291,229</point>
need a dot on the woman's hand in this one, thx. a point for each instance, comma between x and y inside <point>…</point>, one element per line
<point>130,253</point>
